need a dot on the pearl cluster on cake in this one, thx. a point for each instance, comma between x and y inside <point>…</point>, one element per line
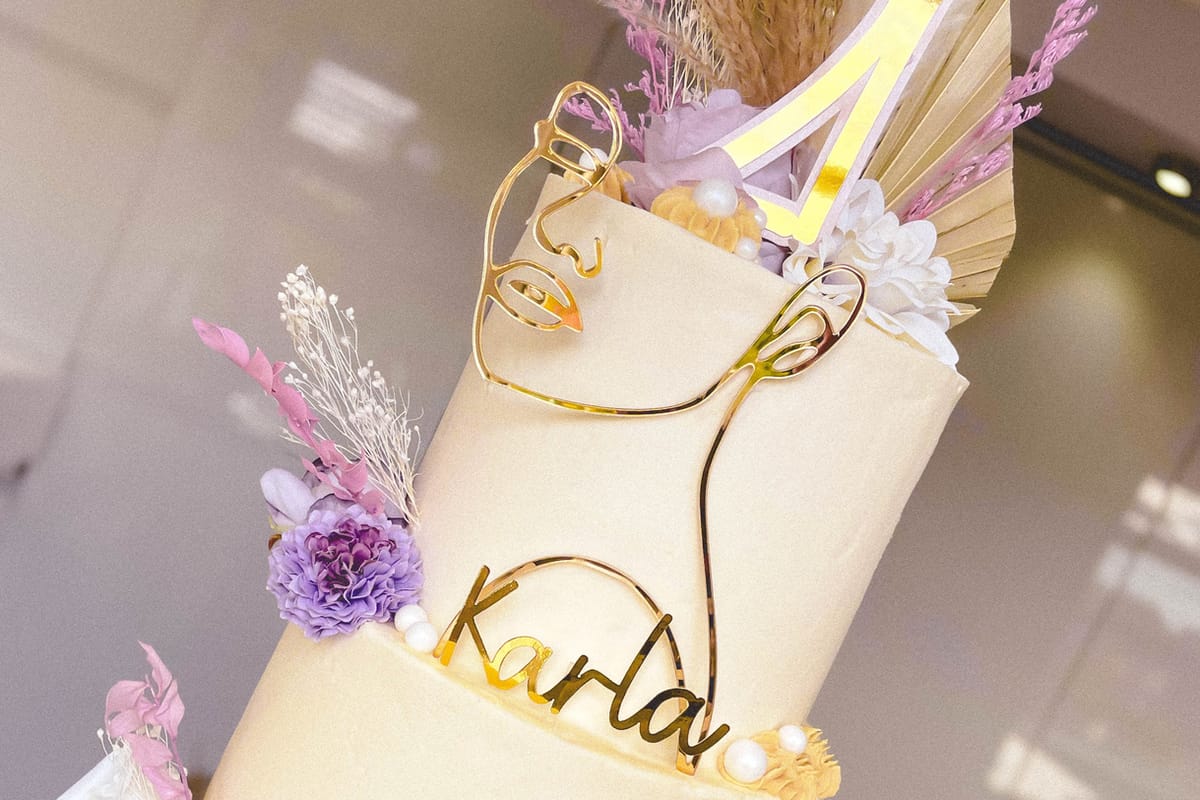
<point>718,198</point>
<point>714,210</point>
<point>793,739</point>
<point>745,760</point>
<point>419,633</point>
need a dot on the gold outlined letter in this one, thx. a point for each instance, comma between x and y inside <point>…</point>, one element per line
<point>859,85</point>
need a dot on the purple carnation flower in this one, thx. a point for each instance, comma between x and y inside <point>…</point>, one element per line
<point>343,567</point>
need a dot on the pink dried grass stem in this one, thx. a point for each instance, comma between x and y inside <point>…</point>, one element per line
<point>987,151</point>
<point>633,134</point>
<point>651,32</point>
<point>655,82</point>
<point>349,479</point>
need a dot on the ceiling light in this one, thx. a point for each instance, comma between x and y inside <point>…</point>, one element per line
<point>1176,176</point>
<point>1173,183</point>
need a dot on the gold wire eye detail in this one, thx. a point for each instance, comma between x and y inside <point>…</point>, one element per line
<point>529,285</point>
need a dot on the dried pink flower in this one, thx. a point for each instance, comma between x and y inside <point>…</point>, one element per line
<point>145,715</point>
<point>987,151</point>
<point>655,83</point>
<point>348,479</point>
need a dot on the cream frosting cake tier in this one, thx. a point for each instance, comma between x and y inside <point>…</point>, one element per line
<point>804,494</point>
<point>362,717</point>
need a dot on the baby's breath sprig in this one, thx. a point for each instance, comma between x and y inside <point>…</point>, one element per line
<point>128,779</point>
<point>350,395</point>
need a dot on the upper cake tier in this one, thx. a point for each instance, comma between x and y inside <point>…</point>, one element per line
<point>804,492</point>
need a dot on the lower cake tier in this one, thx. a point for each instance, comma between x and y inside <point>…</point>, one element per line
<point>365,717</point>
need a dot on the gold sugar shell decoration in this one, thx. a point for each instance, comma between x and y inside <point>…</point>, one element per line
<point>812,775</point>
<point>677,205</point>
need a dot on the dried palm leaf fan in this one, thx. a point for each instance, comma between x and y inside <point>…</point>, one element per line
<point>947,155</point>
<point>769,46</point>
<point>957,89</point>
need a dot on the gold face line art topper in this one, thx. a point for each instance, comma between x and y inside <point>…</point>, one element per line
<point>798,335</point>
<point>558,307</point>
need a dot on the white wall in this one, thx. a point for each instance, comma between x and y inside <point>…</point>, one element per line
<point>150,171</point>
<point>1003,612</point>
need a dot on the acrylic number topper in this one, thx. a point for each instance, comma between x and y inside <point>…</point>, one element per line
<point>858,87</point>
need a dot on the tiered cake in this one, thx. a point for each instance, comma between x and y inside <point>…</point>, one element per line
<point>663,483</point>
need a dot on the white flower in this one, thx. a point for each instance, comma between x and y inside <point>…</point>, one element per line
<point>906,283</point>
<point>288,497</point>
<point>116,777</point>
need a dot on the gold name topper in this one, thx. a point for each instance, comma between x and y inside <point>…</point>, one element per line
<point>483,596</point>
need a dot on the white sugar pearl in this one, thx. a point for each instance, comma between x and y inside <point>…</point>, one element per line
<point>408,616</point>
<point>593,159</point>
<point>422,637</point>
<point>746,761</point>
<point>793,739</point>
<point>716,197</point>
<point>746,248</point>
<point>760,217</point>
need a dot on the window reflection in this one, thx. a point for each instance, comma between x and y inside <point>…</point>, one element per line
<point>1024,772</point>
<point>350,115</point>
<point>1171,592</point>
<point>1169,511</point>
<point>1125,716</point>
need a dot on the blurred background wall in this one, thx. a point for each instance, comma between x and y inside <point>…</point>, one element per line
<point>1034,629</point>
